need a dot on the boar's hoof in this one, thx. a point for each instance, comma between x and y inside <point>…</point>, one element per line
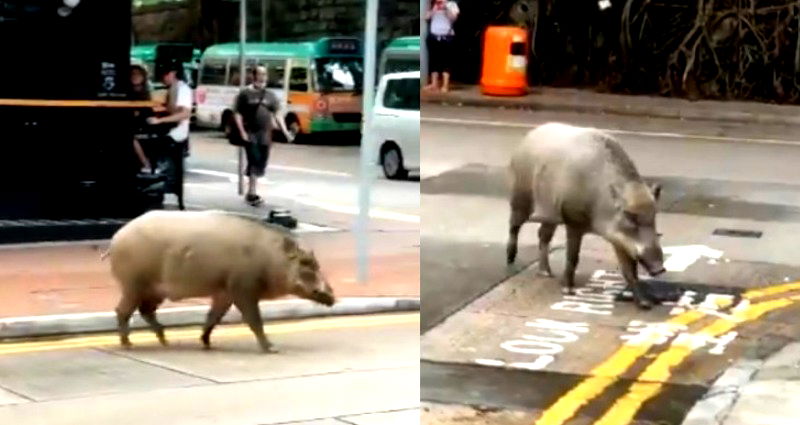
<point>568,290</point>
<point>544,273</point>
<point>162,339</point>
<point>126,345</point>
<point>269,349</point>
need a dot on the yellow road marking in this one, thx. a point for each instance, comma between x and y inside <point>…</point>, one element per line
<point>602,376</point>
<point>605,374</point>
<point>225,331</point>
<point>650,382</point>
<point>771,290</point>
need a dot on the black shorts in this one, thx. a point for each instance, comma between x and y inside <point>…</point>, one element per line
<point>257,156</point>
<point>440,53</point>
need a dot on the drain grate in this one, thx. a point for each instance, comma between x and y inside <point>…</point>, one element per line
<point>738,233</point>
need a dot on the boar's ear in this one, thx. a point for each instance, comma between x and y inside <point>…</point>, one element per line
<point>290,248</point>
<point>655,188</point>
<point>616,197</point>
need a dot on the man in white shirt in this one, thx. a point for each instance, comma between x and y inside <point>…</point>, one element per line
<point>179,104</point>
<point>179,109</point>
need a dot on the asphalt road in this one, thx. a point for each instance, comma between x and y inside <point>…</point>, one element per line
<point>316,178</point>
<point>349,370</point>
<point>509,342</point>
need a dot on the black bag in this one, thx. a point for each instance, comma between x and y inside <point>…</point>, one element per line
<point>233,134</point>
<point>232,130</point>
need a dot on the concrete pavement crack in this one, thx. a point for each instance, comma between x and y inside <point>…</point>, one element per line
<point>341,418</point>
<point>312,375</point>
<point>18,394</point>
<point>160,366</point>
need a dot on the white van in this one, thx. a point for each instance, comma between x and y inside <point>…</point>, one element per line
<point>395,124</point>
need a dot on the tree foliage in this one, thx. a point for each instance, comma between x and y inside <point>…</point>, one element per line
<point>723,49</point>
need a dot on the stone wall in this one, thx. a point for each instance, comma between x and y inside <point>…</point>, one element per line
<point>168,23</point>
<point>206,22</point>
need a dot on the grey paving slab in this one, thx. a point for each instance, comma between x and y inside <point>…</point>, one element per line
<point>258,402</point>
<point>82,373</point>
<point>302,353</point>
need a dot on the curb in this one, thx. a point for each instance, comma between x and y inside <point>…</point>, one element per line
<point>713,408</point>
<point>79,323</point>
<point>531,103</point>
<point>734,388</point>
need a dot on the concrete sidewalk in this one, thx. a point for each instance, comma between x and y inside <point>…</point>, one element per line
<point>587,101</point>
<point>55,289</point>
<point>753,392</point>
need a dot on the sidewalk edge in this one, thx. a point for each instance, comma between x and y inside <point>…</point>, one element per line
<point>610,109</point>
<point>79,323</point>
<point>714,407</point>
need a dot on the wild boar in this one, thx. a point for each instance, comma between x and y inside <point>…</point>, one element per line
<point>231,258</point>
<point>582,178</point>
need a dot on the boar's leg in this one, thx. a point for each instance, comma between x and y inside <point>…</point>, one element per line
<point>574,239</point>
<point>628,268</point>
<point>247,303</point>
<point>148,309</point>
<point>546,232</point>
<point>521,207</point>
<point>220,304</point>
<point>125,308</point>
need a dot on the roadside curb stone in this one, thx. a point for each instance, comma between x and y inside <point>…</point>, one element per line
<point>713,408</point>
<point>567,103</point>
<point>65,324</point>
<point>747,390</point>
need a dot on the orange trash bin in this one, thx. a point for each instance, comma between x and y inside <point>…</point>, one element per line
<point>505,61</point>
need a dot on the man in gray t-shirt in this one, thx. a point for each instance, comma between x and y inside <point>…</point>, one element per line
<point>254,109</point>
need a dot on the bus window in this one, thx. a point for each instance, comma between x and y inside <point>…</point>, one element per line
<point>298,80</point>
<point>213,73</point>
<point>233,78</point>
<point>275,69</point>
<point>339,74</point>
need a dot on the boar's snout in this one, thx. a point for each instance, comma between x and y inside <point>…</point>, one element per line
<point>324,295</point>
<point>324,298</point>
<point>652,258</point>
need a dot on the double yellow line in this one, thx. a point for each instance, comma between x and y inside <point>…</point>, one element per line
<point>649,383</point>
<point>226,331</point>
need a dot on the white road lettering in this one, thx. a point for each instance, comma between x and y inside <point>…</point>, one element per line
<point>544,347</point>
<point>681,257</point>
<point>523,346</point>
<point>650,333</point>
<point>582,307</point>
<point>698,340</point>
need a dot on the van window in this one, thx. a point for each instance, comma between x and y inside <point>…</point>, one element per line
<point>402,94</point>
<point>213,73</point>
<point>298,80</point>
